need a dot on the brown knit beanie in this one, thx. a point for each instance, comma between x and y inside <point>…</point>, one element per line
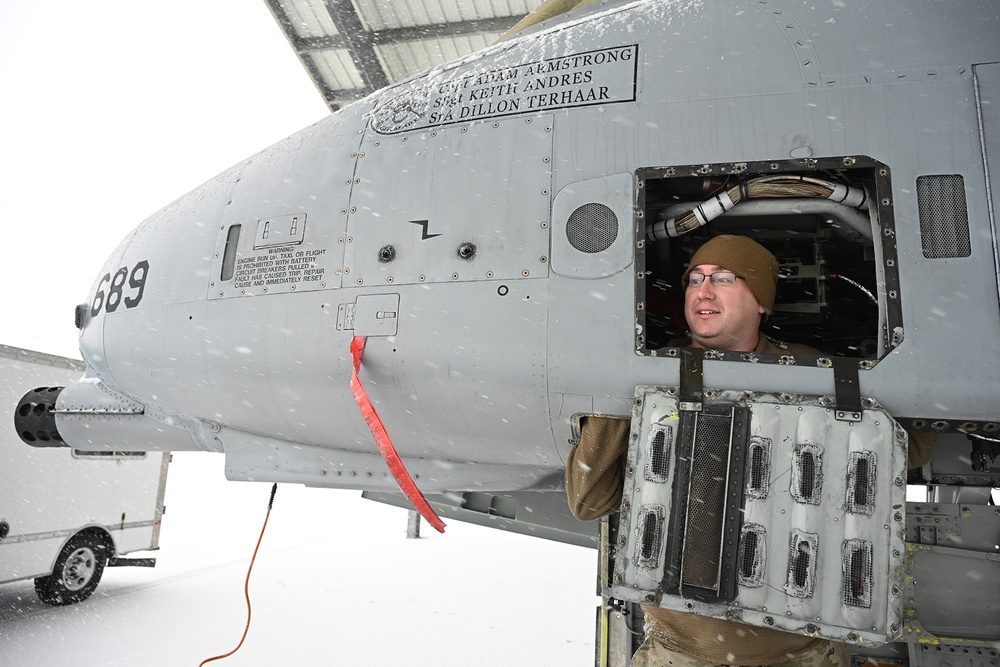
<point>747,259</point>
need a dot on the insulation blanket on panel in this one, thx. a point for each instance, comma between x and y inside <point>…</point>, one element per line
<point>765,509</point>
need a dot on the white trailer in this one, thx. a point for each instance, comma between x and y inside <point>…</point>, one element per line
<point>65,514</point>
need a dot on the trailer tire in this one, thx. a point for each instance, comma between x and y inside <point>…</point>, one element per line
<point>77,572</point>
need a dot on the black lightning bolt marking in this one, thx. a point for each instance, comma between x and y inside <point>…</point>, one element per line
<point>424,235</point>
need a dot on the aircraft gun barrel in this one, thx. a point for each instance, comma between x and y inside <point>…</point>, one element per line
<point>35,419</point>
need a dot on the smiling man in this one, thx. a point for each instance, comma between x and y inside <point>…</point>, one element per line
<point>729,288</point>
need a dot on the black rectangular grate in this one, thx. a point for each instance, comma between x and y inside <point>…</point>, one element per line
<point>707,501</point>
<point>944,216</point>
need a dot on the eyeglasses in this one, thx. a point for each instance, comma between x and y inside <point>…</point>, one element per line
<point>719,278</point>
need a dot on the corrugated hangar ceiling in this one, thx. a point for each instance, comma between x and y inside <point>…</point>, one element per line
<point>352,48</point>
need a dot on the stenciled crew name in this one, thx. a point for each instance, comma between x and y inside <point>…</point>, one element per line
<point>596,77</point>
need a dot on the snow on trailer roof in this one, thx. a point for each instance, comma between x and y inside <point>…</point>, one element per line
<point>33,357</point>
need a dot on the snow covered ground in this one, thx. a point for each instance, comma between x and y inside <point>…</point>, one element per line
<point>336,582</point>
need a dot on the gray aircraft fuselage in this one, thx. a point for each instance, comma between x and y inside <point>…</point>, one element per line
<point>436,217</point>
<point>497,229</point>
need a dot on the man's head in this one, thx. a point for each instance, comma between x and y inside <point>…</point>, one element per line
<point>727,316</point>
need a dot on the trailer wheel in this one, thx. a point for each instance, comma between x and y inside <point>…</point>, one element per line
<point>77,572</point>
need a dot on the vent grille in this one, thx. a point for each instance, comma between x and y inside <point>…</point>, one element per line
<point>650,528</point>
<point>807,474</point>
<point>861,485</point>
<point>658,459</point>
<point>857,560</point>
<point>707,501</point>
<point>758,467</point>
<point>802,554</point>
<point>944,216</point>
<point>592,228</point>
<point>753,551</point>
